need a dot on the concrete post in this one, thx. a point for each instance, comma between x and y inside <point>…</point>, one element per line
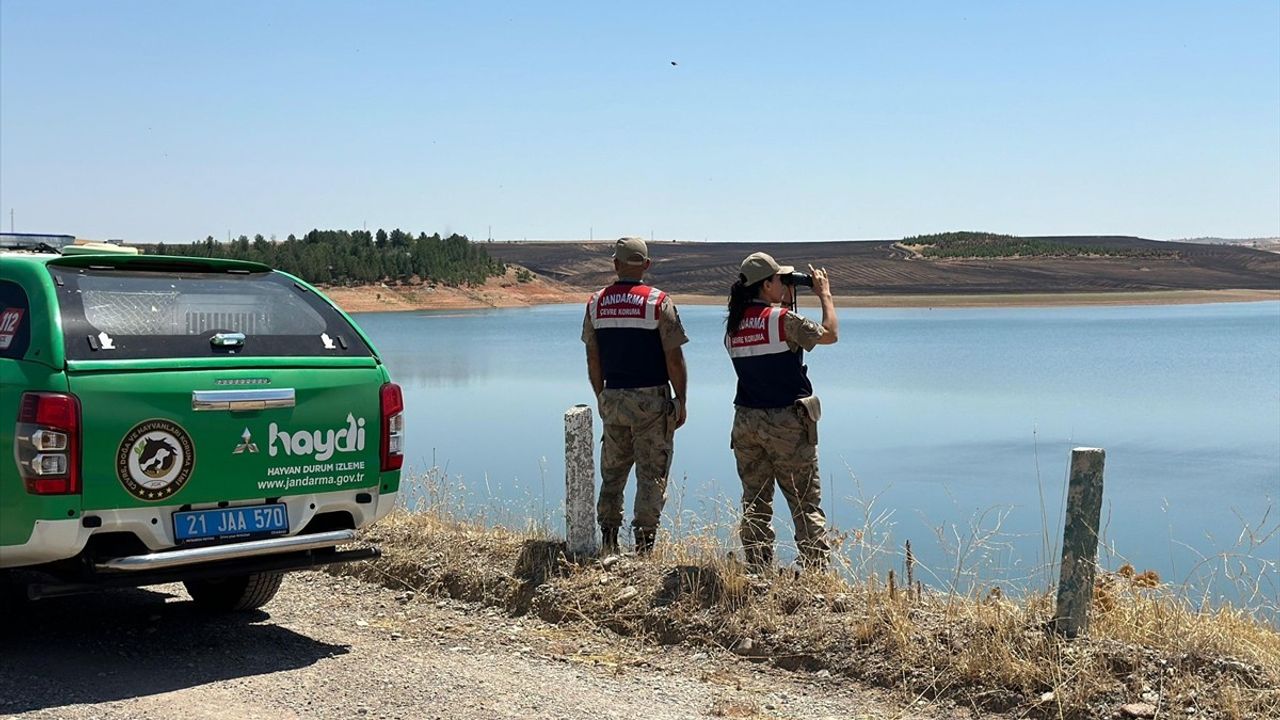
<point>1080,542</point>
<point>579,482</point>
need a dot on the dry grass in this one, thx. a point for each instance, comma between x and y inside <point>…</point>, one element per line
<point>1147,642</point>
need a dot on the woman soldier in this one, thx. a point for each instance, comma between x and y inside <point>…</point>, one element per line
<point>775,423</point>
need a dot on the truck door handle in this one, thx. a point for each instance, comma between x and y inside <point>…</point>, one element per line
<point>242,400</point>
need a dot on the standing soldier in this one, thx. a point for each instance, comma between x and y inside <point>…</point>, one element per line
<point>633,336</point>
<point>775,422</point>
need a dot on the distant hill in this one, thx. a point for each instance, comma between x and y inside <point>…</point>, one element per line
<point>1053,264</point>
<point>1230,241</point>
<point>967,245</point>
<point>1270,244</point>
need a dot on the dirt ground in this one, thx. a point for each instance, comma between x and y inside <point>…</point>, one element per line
<point>337,647</point>
<point>374,298</point>
<point>505,291</point>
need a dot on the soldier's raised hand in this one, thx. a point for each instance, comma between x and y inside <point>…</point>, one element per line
<point>821,285</point>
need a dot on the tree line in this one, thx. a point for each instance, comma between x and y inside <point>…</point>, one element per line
<point>357,257</point>
<point>993,245</point>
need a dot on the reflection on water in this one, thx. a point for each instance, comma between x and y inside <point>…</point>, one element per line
<point>445,370</point>
<point>945,425</point>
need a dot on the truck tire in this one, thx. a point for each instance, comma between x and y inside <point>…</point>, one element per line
<point>235,593</point>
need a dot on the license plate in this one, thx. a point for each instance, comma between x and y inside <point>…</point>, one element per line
<point>230,523</point>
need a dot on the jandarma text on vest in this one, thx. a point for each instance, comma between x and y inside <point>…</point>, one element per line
<point>624,298</point>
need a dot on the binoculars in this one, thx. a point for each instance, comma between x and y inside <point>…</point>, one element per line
<point>797,278</point>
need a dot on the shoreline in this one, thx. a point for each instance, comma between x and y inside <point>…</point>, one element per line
<point>1008,300</point>
<point>507,293</point>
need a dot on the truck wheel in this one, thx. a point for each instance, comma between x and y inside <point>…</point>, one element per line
<point>239,592</point>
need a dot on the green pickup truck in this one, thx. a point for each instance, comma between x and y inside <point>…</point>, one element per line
<point>213,422</point>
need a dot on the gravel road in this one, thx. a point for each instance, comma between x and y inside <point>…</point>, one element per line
<point>331,647</point>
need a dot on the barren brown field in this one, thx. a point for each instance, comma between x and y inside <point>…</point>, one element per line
<point>882,267</point>
<point>505,291</point>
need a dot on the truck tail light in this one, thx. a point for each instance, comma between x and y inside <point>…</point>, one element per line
<point>392,427</point>
<point>47,443</point>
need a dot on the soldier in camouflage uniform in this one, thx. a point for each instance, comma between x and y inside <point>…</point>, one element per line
<point>775,424</point>
<point>634,361</point>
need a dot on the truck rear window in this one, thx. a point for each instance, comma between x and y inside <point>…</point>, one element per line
<point>110,313</point>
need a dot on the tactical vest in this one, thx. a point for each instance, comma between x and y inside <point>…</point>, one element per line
<point>770,374</point>
<point>625,318</point>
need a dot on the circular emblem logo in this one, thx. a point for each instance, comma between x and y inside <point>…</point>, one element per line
<point>155,459</point>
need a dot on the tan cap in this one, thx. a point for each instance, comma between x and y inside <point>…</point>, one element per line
<point>630,251</point>
<point>761,266</point>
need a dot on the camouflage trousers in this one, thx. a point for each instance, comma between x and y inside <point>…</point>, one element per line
<point>779,445</point>
<point>639,426</point>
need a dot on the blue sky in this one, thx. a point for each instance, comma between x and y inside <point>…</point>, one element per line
<point>170,121</point>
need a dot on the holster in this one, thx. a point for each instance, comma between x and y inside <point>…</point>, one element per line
<point>674,406</point>
<point>810,413</point>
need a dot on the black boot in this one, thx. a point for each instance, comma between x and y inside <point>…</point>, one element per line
<point>759,559</point>
<point>644,540</point>
<point>609,543</point>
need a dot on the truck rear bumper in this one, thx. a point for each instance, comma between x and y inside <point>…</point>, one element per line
<point>280,560</point>
<point>233,551</point>
<point>54,540</point>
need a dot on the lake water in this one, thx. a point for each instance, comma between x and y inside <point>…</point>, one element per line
<point>951,428</point>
